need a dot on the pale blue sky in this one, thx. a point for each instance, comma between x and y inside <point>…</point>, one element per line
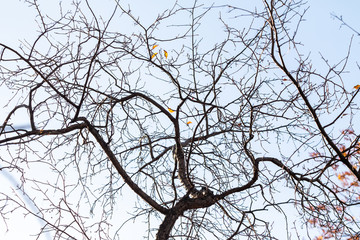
<point>319,33</point>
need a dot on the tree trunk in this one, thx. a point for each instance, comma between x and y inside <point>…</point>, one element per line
<point>167,225</point>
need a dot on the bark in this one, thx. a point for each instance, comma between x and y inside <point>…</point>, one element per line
<point>184,204</point>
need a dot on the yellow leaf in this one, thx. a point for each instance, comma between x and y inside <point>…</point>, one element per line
<point>153,55</point>
<point>154,46</point>
<point>188,122</point>
<point>357,86</point>
<point>170,110</point>
<point>166,54</point>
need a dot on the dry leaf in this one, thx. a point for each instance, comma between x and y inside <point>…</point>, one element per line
<point>166,54</point>
<point>170,110</point>
<point>153,55</point>
<point>154,46</point>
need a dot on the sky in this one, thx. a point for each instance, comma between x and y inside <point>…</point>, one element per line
<point>319,33</point>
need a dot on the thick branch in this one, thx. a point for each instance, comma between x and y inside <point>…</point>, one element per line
<point>281,64</point>
<point>42,132</point>
<point>184,204</point>
<point>121,170</point>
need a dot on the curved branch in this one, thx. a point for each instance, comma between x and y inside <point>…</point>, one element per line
<point>121,170</point>
<point>281,64</point>
<point>45,78</point>
<point>9,116</point>
<point>147,98</point>
<point>174,213</point>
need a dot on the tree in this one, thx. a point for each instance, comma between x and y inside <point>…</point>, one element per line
<point>210,129</point>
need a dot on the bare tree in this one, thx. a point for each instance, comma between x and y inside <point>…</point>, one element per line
<point>210,129</point>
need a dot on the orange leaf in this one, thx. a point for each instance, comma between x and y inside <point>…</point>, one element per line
<point>356,184</point>
<point>343,150</point>
<point>341,177</point>
<point>188,122</point>
<point>154,46</point>
<point>339,209</point>
<point>313,221</point>
<point>314,154</point>
<point>357,86</point>
<point>153,55</point>
<point>170,110</point>
<point>166,54</point>
<point>321,207</point>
